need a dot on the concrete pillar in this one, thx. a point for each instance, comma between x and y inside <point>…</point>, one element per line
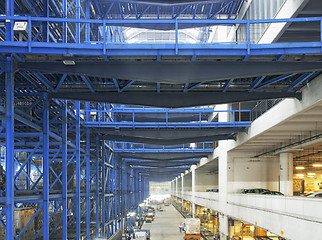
<point>223,226</point>
<point>182,183</point>
<point>223,176</point>
<point>193,188</point>
<point>286,173</point>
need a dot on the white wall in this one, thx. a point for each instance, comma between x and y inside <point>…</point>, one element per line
<point>206,180</point>
<point>247,172</point>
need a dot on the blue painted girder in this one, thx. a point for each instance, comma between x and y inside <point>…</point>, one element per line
<point>173,72</point>
<point>173,99</point>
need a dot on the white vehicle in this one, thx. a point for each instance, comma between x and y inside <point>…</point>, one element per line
<point>314,195</point>
<point>140,235</point>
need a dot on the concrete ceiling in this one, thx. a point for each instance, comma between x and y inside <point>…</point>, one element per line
<point>302,131</point>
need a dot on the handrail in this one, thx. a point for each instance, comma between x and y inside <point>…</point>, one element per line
<point>103,40</point>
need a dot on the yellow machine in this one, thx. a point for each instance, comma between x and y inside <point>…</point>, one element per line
<point>192,236</point>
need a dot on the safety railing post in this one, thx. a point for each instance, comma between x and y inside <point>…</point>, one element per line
<point>176,36</point>
<point>248,37</point>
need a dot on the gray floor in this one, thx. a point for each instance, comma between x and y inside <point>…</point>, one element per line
<point>166,225</point>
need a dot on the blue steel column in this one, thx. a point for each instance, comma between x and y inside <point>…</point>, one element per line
<point>88,169</point>
<point>78,24</point>
<point>64,165</point>
<point>116,198</point>
<point>9,149</point>
<point>87,17</point>
<point>9,25</point>
<point>97,188</point>
<point>46,166</point>
<point>45,24</point>
<point>64,7</point>
<point>103,188</point>
<point>78,212</point>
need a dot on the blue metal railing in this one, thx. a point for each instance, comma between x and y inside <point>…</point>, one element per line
<point>81,42</point>
<point>164,118</point>
<point>148,148</point>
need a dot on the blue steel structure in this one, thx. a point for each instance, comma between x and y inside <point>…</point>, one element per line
<point>82,161</point>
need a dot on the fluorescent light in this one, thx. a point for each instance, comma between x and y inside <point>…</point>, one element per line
<point>300,175</point>
<point>317,165</point>
<point>299,168</point>
<point>69,62</point>
<point>311,174</point>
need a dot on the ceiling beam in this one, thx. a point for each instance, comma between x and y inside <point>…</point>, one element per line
<point>172,72</point>
<point>172,99</point>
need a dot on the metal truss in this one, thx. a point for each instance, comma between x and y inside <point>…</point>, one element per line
<point>54,164</point>
<point>83,164</point>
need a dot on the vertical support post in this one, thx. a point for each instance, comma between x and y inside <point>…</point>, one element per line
<point>46,166</point>
<point>64,8</point>
<point>77,24</point>
<point>116,194</point>
<point>45,30</point>
<point>176,36</point>
<point>64,165</point>
<point>9,23</point>
<point>9,148</point>
<point>78,162</point>
<point>193,189</point>
<point>87,13</point>
<point>88,169</point>
<point>286,173</point>
<point>248,37</point>
<point>103,188</point>
<point>321,32</point>
<point>104,37</point>
<point>97,188</point>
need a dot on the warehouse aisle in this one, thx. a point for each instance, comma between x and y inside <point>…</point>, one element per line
<point>166,225</point>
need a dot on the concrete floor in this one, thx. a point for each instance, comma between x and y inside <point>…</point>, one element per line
<point>166,225</point>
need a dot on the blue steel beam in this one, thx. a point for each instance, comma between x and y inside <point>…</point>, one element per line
<point>46,163</point>
<point>97,186</point>
<point>78,169</point>
<point>9,77</point>
<point>251,49</point>
<point>275,80</point>
<point>88,170</point>
<point>64,166</point>
<point>255,83</point>
<point>304,77</point>
<point>9,24</point>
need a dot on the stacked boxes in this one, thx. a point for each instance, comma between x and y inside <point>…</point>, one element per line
<point>192,226</point>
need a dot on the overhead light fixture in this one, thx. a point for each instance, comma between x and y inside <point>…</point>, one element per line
<point>311,174</point>
<point>300,168</point>
<point>317,165</point>
<point>69,60</point>
<point>300,175</point>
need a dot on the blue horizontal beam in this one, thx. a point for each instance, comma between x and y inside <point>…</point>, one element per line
<point>168,124</point>
<point>160,21</point>
<point>125,49</point>
<point>166,150</point>
<point>101,48</point>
